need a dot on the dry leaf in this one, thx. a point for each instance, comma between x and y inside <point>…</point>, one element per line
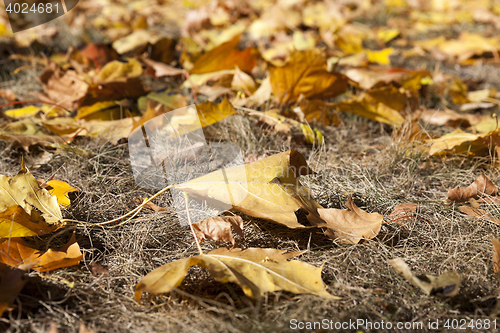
<point>482,186</point>
<point>265,188</point>
<point>60,189</point>
<point>374,76</point>
<point>352,224</point>
<point>150,205</point>
<point>446,284</point>
<point>12,281</point>
<point>219,228</point>
<point>459,141</point>
<point>476,212</point>
<point>15,251</point>
<point>224,56</point>
<point>8,95</point>
<point>15,222</point>
<point>496,255</point>
<point>65,89</point>
<point>162,69</point>
<point>381,104</point>
<point>23,190</point>
<point>404,208</point>
<point>257,271</point>
<point>305,74</point>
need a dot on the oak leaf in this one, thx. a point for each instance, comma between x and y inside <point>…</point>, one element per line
<point>257,271</point>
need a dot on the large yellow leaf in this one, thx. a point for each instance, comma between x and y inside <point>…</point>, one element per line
<point>15,252</point>
<point>225,56</point>
<point>15,222</point>
<point>305,74</point>
<point>266,188</point>
<point>23,190</point>
<point>257,271</point>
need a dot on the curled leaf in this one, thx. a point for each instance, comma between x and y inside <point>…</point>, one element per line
<point>219,228</point>
<point>481,187</point>
<point>446,284</point>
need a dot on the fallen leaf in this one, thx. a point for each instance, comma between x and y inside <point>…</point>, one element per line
<point>66,89</point>
<point>380,104</point>
<point>482,186</point>
<point>224,56</point>
<point>374,76</point>
<point>496,255</point>
<point>242,81</point>
<point>446,284</point>
<point>404,208</point>
<point>317,110</point>
<point>352,224</point>
<point>162,69</point>
<point>449,118</point>
<point>150,205</point>
<point>477,212</point>
<point>219,228</point>
<point>380,57</point>
<point>16,251</point>
<point>8,95</point>
<point>12,281</point>
<point>459,141</point>
<point>257,271</point>
<point>305,74</point>
<point>23,190</point>
<point>162,101</point>
<point>60,189</point>
<point>15,222</point>
<point>265,188</point>
<point>260,96</point>
<point>25,112</point>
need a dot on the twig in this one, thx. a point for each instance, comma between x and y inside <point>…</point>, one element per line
<point>186,198</point>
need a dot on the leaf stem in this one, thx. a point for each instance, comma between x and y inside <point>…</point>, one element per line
<point>186,199</point>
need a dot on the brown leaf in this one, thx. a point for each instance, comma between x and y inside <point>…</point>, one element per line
<point>162,69</point>
<point>100,53</point>
<point>404,208</point>
<point>219,228</point>
<point>65,89</point>
<point>8,95</point>
<point>496,255</point>
<point>225,56</point>
<point>12,281</point>
<point>482,186</point>
<point>305,74</point>
<point>476,212</point>
<point>352,224</point>
<point>150,205</point>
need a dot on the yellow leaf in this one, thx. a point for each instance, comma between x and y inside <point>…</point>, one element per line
<point>201,79</point>
<point>317,110</point>
<point>384,105</point>
<point>380,57</point>
<point>459,141</point>
<point>243,82</point>
<point>257,271</point>
<point>117,71</point>
<point>209,113</point>
<point>16,251</point>
<point>25,112</point>
<point>305,74</point>
<point>15,222</point>
<point>387,35</point>
<point>266,188</point>
<point>139,37</point>
<point>23,190</point>
<point>60,189</point>
<point>107,110</point>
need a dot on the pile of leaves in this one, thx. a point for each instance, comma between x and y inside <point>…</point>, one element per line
<point>295,84</point>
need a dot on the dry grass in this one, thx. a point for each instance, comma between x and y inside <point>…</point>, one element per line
<point>378,179</point>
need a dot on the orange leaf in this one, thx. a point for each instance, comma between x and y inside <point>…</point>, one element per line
<point>482,186</point>
<point>496,255</point>
<point>225,56</point>
<point>305,74</point>
<point>16,251</point>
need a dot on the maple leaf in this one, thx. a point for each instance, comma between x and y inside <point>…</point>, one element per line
<point>257,271</point>
<point>23,190</point>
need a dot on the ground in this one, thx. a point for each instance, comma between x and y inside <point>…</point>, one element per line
<point>360,157</point>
